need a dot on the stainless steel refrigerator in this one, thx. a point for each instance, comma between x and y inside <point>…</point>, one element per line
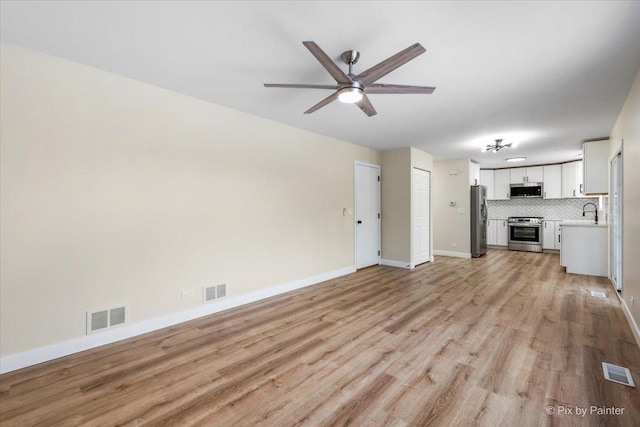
<point>479,214</point>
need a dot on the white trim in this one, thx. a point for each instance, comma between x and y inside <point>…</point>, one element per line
<point>86,342</point>
<point>452,254</point>
<point>393,263</point>
<point>632,322</point>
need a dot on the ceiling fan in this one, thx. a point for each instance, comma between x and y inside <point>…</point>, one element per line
<point>497,146</point>
<point>353,89</point>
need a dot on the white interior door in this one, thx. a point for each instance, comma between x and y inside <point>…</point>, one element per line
<point>421,233</point>
<point>367,215</point>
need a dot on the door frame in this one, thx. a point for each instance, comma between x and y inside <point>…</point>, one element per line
<point>357,163</point>
<point>619,284</point>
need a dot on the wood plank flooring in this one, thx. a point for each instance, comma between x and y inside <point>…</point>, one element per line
<point>491,341</point>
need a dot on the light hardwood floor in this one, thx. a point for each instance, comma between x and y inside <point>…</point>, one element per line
<point>490,341</point>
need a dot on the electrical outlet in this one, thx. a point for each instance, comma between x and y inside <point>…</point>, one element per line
<point>454,245</point>
<point>188,293</point>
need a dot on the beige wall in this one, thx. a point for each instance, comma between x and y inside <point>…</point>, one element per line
<point>396,205</point>
<point>114,191</point>
<point>451,230</point>
<point>627,127</point>
<point>397,167</point>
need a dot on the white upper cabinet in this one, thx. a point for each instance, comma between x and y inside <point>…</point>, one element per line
<point>595,161</point>
<point>517,175</point>
<point>559,180</point>
<point>552,182</point>
<point>572,179</point>
<point>486,179</point>
<point>535,174</point>
<point>501,184</point>
<point>528,174</point>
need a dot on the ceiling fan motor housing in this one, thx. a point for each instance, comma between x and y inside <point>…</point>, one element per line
<point>350,57</point>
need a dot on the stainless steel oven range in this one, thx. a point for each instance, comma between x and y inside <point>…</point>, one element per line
<point>525,233</point>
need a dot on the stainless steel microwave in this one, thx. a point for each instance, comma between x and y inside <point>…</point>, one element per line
<point>526,190</point>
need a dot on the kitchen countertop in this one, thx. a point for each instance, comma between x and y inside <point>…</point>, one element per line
<point>568,222</point>
<point>582,223</point>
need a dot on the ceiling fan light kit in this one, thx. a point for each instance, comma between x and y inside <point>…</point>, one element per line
<point>353,89</point>
<point>350,95</point>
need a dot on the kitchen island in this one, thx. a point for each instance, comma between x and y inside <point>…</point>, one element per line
<point>584,247</point>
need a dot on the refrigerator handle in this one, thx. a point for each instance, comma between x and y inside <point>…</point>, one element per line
<point>485,209</point>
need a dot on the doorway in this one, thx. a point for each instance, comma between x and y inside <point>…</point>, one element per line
<point>367,214</point>
<point>421,231</point>
<point>615,226</point>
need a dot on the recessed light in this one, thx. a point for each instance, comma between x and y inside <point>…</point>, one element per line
<point>516,159</point>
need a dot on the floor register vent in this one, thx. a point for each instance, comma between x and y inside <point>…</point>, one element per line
<point>617,374</point>
<point>105,319</point>
<point>215,292</point>
<point>598,294</point>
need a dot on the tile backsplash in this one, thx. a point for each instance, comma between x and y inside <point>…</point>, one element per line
<point>546,208</point>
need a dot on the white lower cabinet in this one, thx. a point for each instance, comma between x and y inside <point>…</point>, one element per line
<point>551,235</point>
<point>492,232</point>
<point>503,232</point>
<point>497,232</point>
<point>584,249</point>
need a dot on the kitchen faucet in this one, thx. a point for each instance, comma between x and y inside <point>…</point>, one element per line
<point>594,211</point>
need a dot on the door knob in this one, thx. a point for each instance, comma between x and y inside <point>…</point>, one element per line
<point>359,222</point>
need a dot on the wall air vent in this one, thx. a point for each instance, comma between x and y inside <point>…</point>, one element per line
<point>105,319</point>
<point>221,291</point>
<point>214,292</point>
<point>209,293</point>
<point>617,374</point>
<point>116,316</point>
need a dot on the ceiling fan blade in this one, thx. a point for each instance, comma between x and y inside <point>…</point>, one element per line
<point>388,65</point>
<point>322,103</point>
<point>301,86</point>
<point>366,106</point>
<point>385,88</point>
<point>327,63</point>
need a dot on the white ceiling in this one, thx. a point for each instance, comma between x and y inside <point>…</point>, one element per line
<point>546,75</point>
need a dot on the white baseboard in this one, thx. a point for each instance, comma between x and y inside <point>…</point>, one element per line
<point>392,263</point>
<point>452,254</point>
<point>631,321</point>
<point>43,354</point>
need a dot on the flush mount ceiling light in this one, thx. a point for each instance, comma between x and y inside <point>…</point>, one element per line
<point>497,146</point>
<point>516,159</point>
